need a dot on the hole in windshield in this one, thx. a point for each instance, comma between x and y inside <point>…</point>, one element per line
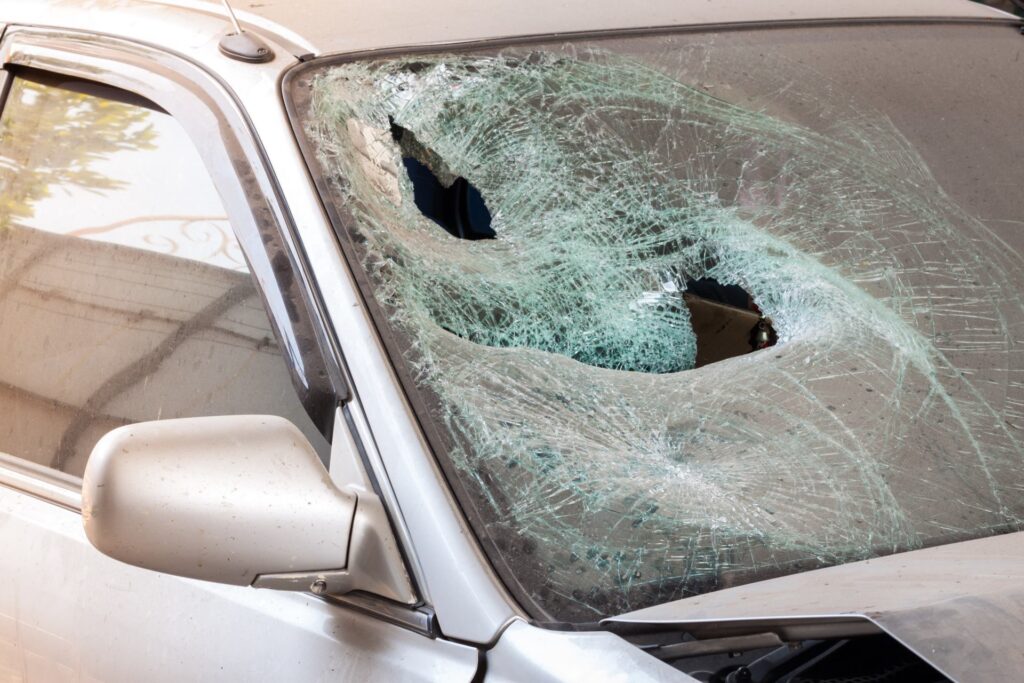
<point>726,321</point>
<point>451,202</point>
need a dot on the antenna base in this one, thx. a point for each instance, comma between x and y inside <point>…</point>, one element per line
<point>245,47</point>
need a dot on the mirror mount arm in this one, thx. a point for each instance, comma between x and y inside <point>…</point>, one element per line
<point>372,566</point>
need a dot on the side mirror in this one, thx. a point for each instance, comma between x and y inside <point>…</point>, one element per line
<point>241,500</point>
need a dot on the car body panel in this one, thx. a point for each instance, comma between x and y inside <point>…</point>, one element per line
<point>328,27</point>
<point>528,653</point>
<point>69,613</point>
<point>333,27</point>
<point>959,606</point>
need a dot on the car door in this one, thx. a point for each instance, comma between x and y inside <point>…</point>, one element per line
<point>135,285</point>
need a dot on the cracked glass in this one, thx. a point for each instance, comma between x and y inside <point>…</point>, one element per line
<point>856,184</point>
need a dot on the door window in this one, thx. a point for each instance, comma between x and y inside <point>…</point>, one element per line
<point>124,295</point>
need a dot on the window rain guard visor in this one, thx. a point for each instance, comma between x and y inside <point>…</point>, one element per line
<point>554,358</point>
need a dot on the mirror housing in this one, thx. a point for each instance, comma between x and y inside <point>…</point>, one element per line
<point>242,500</point>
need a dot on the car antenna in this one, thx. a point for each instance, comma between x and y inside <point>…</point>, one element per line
<point>242,45</point>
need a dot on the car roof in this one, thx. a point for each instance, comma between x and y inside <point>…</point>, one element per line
<point>316,27</point>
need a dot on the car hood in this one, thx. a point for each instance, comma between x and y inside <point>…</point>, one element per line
<point>960,606</point>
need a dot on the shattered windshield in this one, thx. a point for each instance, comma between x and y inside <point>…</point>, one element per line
<point>681,312</point>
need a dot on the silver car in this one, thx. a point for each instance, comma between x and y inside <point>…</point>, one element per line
<point>511,341</point>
